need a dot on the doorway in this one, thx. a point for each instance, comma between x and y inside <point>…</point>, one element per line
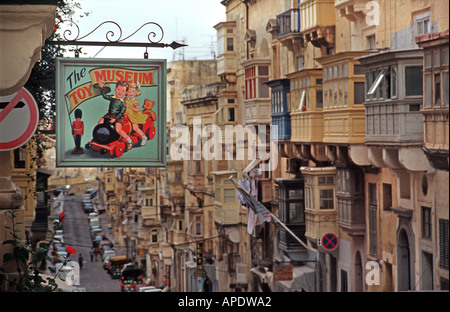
<point>404,262</point>
<point>358,273</point>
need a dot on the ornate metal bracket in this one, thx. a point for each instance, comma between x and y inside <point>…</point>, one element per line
<point>71,36</point>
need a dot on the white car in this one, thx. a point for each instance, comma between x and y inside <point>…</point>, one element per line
<point>109,253</point>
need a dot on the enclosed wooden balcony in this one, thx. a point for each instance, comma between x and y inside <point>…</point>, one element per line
<point>306,105</point>
<point>317,22</point>
<point>280,109</point>
<point>343,98</point>
<point>350,199</point>
<point>320,201</point>
<point>226,51</point>
<point>436,99</point>
<point>226,205</point>
<point>291,201</point>
<point>257,104</point>
<point>393,97</point>
<point>288,29</point>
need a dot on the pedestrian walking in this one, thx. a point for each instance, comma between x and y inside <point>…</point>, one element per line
<point>96,252</point>
<point>92,254</point>
<point>80,261</point>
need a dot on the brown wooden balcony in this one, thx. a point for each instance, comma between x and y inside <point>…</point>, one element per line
<point>343,98</point>
<point>350,200</point>
<point>320,201</point>
<point>306,105</point>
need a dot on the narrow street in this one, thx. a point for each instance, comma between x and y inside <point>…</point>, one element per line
<point>76,233</point>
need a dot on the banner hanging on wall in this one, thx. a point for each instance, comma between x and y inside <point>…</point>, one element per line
<point>110,113</point>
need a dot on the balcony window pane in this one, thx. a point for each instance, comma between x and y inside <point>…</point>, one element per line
<point>319,99</point>
<point>445,57</point>
<point>376,84</point>
<point>437,59</point>
<point>445,88</point>
<point>345,70</point>
<point>231,114</point>
<point>296,213</point>
<point>358,70</point>
<point>326,199</point>
<point>295,194</point>
<point>368,84</point>
<point>358,92</point>
<point>230,45</point>
<point>393,82</point>
<point>335,94</point>
<point>263,88</point>
<point>345,93</point>
<point>228,196</point>
<point>414,78</point>
<point>428,62</point>
<point>437,89</point>
<point>263,70</point>
<point>428,90</point>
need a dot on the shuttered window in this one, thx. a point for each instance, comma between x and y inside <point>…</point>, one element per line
<point>443,243</point>
<point>372,219</point>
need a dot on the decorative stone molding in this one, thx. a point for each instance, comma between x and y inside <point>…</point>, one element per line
<point>23,31</point>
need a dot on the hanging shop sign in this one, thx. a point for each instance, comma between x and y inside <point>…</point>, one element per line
<point>110,113</point>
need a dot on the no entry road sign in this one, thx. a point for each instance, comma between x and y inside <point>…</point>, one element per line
<point>330,241</point>
<point>19,117</point>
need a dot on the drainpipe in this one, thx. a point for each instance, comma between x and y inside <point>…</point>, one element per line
<point>246,28</point>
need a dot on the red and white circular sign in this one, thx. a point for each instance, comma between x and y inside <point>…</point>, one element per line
<point>19,117</point>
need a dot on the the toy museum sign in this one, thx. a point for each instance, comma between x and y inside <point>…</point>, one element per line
<point>110,113</point>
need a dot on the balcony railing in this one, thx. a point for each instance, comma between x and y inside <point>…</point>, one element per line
<point>288,22</point>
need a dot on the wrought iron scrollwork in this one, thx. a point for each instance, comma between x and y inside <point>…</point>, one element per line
<point>71,35</point>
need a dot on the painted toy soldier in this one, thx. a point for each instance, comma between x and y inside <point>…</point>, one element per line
<point>78,132</point>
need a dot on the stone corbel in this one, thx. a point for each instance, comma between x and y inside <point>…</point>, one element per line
<point>318,152</point>
<point>359,154</point>
<point>23,31</point>
<point>375,157</point>
<point>414,159</point>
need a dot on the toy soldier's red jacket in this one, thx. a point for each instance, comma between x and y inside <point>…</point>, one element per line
<point>77,128</point>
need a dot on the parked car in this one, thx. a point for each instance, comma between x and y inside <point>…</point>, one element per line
<point>94,222</point>
<point>144,288</point>
<point>96,231</point>
<point>88,207</point>
<point>115,265</point>
<point>108,252</point>
<point>131,279</point>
